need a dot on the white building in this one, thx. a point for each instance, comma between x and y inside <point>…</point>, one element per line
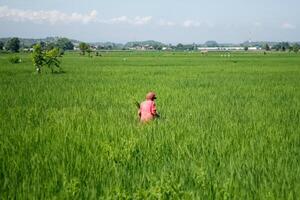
<point>227,48</point>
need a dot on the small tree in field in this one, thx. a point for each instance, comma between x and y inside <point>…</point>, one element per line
<point>38,57</point>
<point>46,57</point>
<point>246,48</point>
<point>51,59</point>
<point>83,47</point>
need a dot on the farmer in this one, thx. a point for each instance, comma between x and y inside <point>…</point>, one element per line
<point>147,109</point>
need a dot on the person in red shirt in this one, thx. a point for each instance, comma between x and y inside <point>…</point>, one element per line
<point>147,109</point>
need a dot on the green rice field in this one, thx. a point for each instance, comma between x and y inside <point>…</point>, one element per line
<point>229,127</point>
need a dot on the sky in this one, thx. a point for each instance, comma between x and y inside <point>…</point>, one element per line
<point>168,21</point>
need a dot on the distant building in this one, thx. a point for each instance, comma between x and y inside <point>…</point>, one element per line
<point>93,48</point>
<point>208,49</point>
<point>166,48</point>
<point>142,47</point>
<point>139,48</point>
<point>227,48</point>
<point>28,49</point>
<point>254,48</point>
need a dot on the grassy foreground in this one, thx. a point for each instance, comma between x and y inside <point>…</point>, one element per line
<point>230,127</point>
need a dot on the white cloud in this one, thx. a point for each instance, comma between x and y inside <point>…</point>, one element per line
<point>210,24</point>
<point>191,23</point>
<point>55,17</point>
<point>122,19</point>
<point>42,16</point>
<point>163,22</point>
<point>257,24</point>
<point>287,25</point>
<point>127,20</point>
<point>142,20</point>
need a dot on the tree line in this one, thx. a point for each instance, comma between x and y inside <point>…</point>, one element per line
<point>285,46</point>
<point>63,44</point>
<point>14,45</point>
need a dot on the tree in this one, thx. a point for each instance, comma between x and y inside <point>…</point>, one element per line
<point>179,46</point>
<point>284,46</point>
<point>1,45</point>
<point>43,45</point>
<point>157,46</point>
<point>83,47</point>
<point>13,44</point>
<point>89,51</point>
<point>211,43</point>
<point>51,59</point>
<point>100,47</point>
<point>246,48</point>
<point>51,46</point>
<point>189,47</point>
<point>281,46</point>
<point>38,57</point>
<point>267,47</point>
<point>64,44</point>
<point>109,47</point>
<point>296,47</point>
<point>276,47</point>
<point>42,57</point>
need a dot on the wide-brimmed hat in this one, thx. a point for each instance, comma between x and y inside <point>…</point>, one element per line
<point>151,96</point>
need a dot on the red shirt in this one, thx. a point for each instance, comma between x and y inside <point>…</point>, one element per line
<point>147,110</point>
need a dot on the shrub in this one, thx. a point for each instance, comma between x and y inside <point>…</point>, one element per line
<point>15,60</point>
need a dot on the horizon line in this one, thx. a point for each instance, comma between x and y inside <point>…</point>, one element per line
<point>166,43</point>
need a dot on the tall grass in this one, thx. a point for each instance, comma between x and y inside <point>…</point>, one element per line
<point>229,127</point>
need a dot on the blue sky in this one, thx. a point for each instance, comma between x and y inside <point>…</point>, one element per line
<point>163,20</point>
